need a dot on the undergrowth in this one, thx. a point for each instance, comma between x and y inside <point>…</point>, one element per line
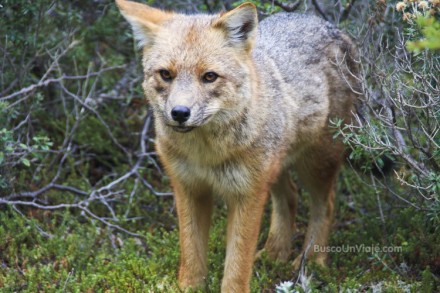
<point>43,251</point>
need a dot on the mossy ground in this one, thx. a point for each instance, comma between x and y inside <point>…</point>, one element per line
<point>82,256</point>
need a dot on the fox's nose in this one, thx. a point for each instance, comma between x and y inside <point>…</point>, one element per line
<point>180,113</point>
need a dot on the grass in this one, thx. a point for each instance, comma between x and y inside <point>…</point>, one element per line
<point>79,255</point>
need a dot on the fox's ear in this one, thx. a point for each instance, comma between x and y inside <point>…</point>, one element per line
<point>240,25</point>
<point>144,20</point>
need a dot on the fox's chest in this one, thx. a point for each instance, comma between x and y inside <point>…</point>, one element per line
<point>224,179</point>
<point>225,165</point>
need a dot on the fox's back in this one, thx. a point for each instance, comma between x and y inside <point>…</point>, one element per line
<point>295,41</point>
<point>305,64</point>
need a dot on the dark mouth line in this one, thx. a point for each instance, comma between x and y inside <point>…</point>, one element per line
<point>181,129</point>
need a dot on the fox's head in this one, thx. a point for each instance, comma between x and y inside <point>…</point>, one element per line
<point>197,67</point>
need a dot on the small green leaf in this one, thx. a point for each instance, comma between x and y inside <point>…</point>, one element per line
<point>26,162</point>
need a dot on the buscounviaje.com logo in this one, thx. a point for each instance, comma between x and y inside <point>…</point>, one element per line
<point>358,248</point>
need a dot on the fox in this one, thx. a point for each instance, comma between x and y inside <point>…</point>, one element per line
<point>238,104</point>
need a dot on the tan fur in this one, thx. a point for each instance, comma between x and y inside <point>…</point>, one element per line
<point>266,113</point>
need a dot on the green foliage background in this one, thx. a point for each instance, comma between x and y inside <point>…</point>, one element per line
<point>72,109</point>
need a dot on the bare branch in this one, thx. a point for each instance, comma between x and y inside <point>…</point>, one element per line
<point>46,82</point>
<point>319,9</point>
<point>288,7</point>
<point>346,12</point>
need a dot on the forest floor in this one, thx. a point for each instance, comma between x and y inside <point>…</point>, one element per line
<point>376,249</point>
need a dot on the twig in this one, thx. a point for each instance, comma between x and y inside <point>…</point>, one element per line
<point>80,206</point>
<point>68,278</point>
<point>301,270</point>
<point>48,81</point>
<point>319,9</point>
<point>42,232</point>
<point>346,12</point>
<point>288,7</point>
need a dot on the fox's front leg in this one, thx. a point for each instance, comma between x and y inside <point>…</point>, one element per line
<point>194,209</point>
<point>244,218</point>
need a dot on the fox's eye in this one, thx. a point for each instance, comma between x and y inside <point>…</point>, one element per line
<point>210,77</point>
<point>165,74</point>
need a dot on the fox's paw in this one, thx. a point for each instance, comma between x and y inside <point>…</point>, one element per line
<point>192,283</point>
<point>297,262</point>
<point>192,287</point>
<point>260,253</point>
<point>281,254</point>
